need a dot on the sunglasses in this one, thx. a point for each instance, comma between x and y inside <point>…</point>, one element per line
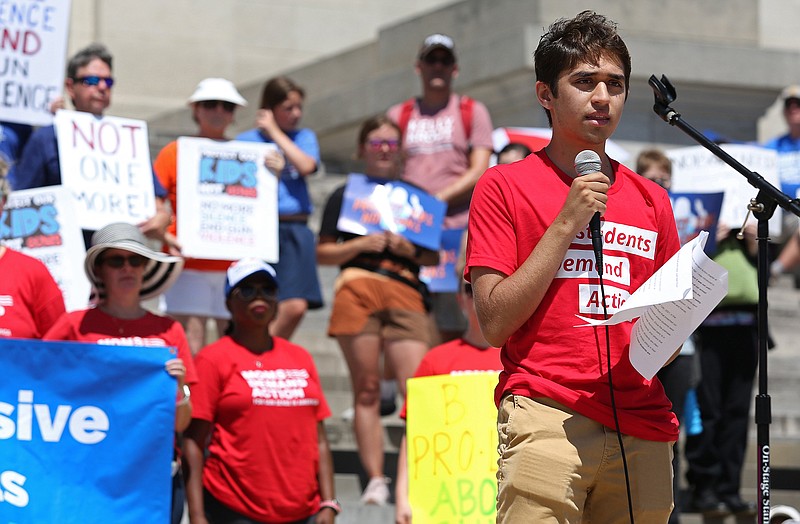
<point>117,261</point>
<point>213,104</point>
<point>94,80</point>
<point>445,60</point>
<point>376,144</point>
<point>789,102</point>
<point>249,292</point>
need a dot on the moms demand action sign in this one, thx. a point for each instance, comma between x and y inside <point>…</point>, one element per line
<point>33,46</point>
<point>86,433</point>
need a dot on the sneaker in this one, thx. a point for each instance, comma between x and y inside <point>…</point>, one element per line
<point>376,492</point>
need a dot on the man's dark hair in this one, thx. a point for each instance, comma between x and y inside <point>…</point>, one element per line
<point>277,90</point>
<point>86,55</point>
<point>570,41</point>
<point>515,146</point>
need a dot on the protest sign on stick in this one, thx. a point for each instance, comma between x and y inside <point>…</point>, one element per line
<point>451,440</point>
<point>33,46</point>
<point>227,200</point>
<point>86,432</point>
<point>41,223</point>
<point>105,162</point>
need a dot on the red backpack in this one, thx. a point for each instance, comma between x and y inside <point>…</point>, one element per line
<point>465,105</point>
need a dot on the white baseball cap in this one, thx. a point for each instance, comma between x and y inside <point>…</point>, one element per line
<point>246,267</point>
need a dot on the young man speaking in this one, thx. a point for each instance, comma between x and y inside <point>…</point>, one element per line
<point>531,263</point>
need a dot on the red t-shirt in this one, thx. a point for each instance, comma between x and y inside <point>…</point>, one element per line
<point>547,357</point>
<point>437,148</point>
<point>263,458</point>
<point>457,357</point>
<point>97,327</point>
<point>30,300</point>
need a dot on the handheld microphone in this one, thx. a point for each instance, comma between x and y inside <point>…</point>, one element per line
<point>587,162</point>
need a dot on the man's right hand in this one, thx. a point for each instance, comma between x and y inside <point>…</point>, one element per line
<point>587,196</point>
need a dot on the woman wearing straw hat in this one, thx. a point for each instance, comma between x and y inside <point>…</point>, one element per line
<point>256,447</point>
<point>195,297</point>
<point>125,271</point>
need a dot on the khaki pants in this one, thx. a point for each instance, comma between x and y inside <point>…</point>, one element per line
<point>557,466</point>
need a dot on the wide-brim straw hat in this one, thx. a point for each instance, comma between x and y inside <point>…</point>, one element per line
<point>160,272</point>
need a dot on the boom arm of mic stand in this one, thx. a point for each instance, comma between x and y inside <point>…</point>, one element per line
<point>664,95</point>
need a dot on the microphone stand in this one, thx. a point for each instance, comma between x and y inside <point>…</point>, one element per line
<point>762,206</point>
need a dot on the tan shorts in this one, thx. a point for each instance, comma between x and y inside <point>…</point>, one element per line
<point>558,466</point>
<point>369,303</point>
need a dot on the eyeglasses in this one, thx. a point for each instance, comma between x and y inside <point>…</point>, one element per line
<point>377,144</point>
<point>117,261</point>
<point>249,292</point>
<point>445,60</point>
<point>94,80</point>
<point>213,104</point>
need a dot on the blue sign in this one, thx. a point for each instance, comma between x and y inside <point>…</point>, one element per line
<point>695,212</point>
<point>86,433</point>
<point>443,278</point>
<point>371,205</point>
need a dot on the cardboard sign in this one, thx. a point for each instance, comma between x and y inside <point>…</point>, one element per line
<point>86,432</point>
<point>371,205</point>
<point>443,278</point>
<point>41,223</point>
<point>105,162</point>
<point>696,212</point>
<point>451,437</point>
<point>33,47</point>
<point>696,170</point>
<point>227,200</point>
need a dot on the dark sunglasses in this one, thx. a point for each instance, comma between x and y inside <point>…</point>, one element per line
<point>377,144</point>
<point>94,80</point>
<point>445,60</point>
<point>249,292</point>
<point>117,261</point>
<point>789,102</point>
<point>213,104</point>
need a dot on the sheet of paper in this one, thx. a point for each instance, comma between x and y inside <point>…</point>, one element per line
<point>670,305</point>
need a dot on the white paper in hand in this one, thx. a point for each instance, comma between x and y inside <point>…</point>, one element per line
<point>670,305</point>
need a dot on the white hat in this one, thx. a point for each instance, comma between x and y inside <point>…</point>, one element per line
<point>246,267</point>
<point>217,89</point>
<point>160,272</point>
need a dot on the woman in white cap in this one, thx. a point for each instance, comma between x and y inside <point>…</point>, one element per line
<point>195,297</point>
<point>125,271</point>
<point>279,123</point>
<point>256,447</point>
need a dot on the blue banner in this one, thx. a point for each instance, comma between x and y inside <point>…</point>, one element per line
<point>695,212</point>
<point>371,205</point>
<point>86,433</point>
<point>443,278</point>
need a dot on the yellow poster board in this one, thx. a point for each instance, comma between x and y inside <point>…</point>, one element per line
<point>452,448</point>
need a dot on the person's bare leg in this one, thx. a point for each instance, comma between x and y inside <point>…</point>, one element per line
<point>290,313</point>
<point>404,357</point>
<point>362,354</point>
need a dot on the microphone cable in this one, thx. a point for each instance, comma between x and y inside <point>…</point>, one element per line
<point>611,391</point>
